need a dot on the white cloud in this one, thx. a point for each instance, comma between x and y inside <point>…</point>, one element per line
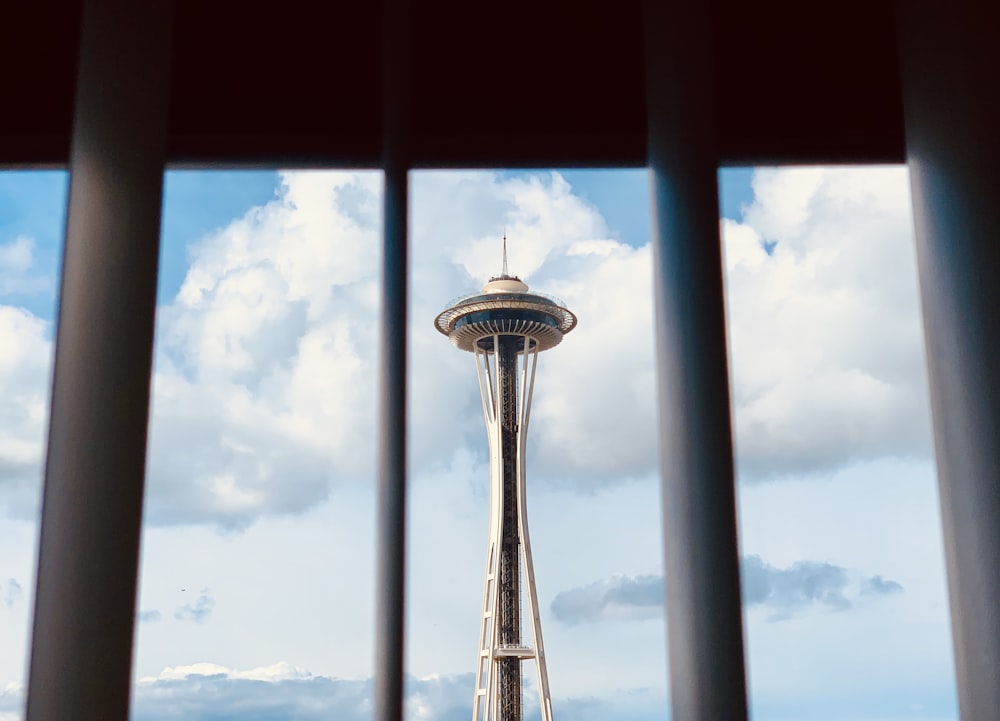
<point>596,386</point>
<point>264,391</point>
<point>280,671</point>
<point>16,256</point>
<point>11,701</point>
<point>264,385</point>
<point>209,691</point>
<point>287,692</point>
<point>827,348</point>
<point>25,355</point>
<point>282,691</point>
<point>16,261</point>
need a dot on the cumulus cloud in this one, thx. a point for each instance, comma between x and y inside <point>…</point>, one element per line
<point>444,697</point>
<point>10,592</point>
<point>282,691</point>
<point>264,394</point>
<point>266,372</point>
<point>197,611</point>
<point>280,671</point>
<point>264,380</point>
<point>598,386</point>
<point>25,357</point>
<point>263,391</point>
<point>150,616</point>
<point>17,258</point>
<point>291,693</point>
<point>11,701</point>
<point>824,327</point>
<point>782,592</point>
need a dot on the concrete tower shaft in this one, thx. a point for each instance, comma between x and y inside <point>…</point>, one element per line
<point>505,327</point>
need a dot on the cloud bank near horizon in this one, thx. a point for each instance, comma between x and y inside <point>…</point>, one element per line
<point>283,691</point>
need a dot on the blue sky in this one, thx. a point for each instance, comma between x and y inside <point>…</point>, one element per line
<point>257,562</point>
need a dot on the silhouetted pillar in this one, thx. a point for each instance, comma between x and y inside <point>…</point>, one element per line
<point>949,59</point>
<point>89,550</point>
<point>390,573</point>
<point>701,563</point>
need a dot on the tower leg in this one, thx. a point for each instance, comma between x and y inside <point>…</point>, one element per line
<point>530,362</point>
<point>506,378</point>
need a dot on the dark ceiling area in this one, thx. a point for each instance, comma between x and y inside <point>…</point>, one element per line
<point>525,83</point>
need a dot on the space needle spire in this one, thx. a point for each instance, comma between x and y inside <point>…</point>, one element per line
<point>505,326</point>
<point>504,270</point>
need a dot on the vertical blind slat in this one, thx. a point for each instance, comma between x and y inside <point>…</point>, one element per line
<point>391,500</point>
<point>89,544</point>
<point>949,55</point>
<point>701,563</point>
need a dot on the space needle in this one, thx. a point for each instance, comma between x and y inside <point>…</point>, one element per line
<point>505,326</point>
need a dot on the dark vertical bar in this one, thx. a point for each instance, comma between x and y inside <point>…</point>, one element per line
<point>949,59</point>
<point>701,563</point>
<point>391,511</point>
<point>88,556</point>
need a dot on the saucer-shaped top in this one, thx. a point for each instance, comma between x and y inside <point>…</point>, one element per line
<point>505,308</point>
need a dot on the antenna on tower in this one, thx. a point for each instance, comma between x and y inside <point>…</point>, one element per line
<point>504,272</point>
